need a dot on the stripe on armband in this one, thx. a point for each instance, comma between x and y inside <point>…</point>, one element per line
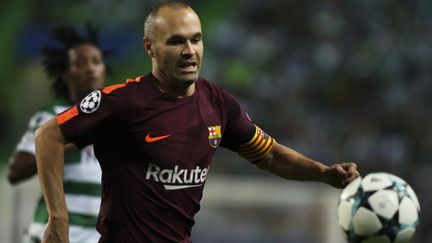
<point>258,147</point>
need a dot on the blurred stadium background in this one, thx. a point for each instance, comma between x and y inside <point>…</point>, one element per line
<point>336,80</point>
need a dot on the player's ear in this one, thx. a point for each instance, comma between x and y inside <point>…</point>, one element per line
<point>148,45</point>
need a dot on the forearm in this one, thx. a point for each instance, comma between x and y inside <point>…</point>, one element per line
<point>22,165</point>
<point>50,160</point>
<point>292,165</point>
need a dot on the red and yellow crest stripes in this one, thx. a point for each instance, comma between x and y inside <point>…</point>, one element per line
<point>258,147</point>
<point>215,135</point>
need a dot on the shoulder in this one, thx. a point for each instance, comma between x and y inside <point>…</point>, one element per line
<point>122,96</point>
<point>130,86</point>
<point>122,87</point>
<point>212,89</point>
<point>217,93</point>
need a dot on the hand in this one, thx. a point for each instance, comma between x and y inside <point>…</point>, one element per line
<point>57,231</point>
<point>341,174</point>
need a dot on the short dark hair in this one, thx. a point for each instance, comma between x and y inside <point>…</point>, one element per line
<point>56,59</point>
<point>148,24</point>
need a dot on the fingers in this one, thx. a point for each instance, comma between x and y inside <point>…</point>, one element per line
<point>344,173</point>
<point>348,172</point>
<point>352,167</point>
<point>340,170</point>
<point>352,172</point>
<point>349,168</point>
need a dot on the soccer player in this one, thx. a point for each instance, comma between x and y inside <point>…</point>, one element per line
<point>155,136</point>
<point>77,66</point>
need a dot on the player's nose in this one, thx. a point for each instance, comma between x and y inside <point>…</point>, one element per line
<point>188,49</point>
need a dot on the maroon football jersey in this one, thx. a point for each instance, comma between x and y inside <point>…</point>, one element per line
<point>155,152</point>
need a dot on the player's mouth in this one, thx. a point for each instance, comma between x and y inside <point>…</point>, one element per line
<point>187,67</point>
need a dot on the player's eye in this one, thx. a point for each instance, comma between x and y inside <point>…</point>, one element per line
<point>175,41</point>
<point>97,60</point>
<point>196,40</point>
<point>79,62</point>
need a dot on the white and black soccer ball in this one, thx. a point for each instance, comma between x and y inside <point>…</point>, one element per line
<point>379,208</point>
<point>91,102</point>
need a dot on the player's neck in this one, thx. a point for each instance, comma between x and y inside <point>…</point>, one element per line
<point>174,88</point>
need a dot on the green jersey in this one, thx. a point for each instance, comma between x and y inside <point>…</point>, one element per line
<point>82,182</point>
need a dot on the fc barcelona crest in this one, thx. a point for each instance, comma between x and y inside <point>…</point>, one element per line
<point>215,136</point>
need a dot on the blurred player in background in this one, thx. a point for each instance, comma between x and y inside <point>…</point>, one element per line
<point>77,65</point>
<point>155,137</point>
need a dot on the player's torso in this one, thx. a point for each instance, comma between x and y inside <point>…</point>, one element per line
<point>177,136</point>
<point>167,145</point>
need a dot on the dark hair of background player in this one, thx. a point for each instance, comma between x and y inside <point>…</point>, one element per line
<point>55,57</point>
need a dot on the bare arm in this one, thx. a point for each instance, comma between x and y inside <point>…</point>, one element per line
<point>22,165</point>
<point>290,164</point>
<point>50,161</point>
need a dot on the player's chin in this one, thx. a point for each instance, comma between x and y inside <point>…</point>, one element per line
<point>189,78</point>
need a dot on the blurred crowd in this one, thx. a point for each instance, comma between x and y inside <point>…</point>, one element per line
<point>335,80</point>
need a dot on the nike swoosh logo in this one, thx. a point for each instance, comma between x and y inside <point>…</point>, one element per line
<point>149,139</point>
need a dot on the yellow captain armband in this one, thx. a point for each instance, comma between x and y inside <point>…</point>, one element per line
<point>258,147</point>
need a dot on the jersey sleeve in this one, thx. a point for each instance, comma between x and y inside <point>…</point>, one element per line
<point>81,123</point>
<point>27,141</point>
<point>242,135</point>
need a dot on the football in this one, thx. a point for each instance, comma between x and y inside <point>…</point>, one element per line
<point>378,208</point>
